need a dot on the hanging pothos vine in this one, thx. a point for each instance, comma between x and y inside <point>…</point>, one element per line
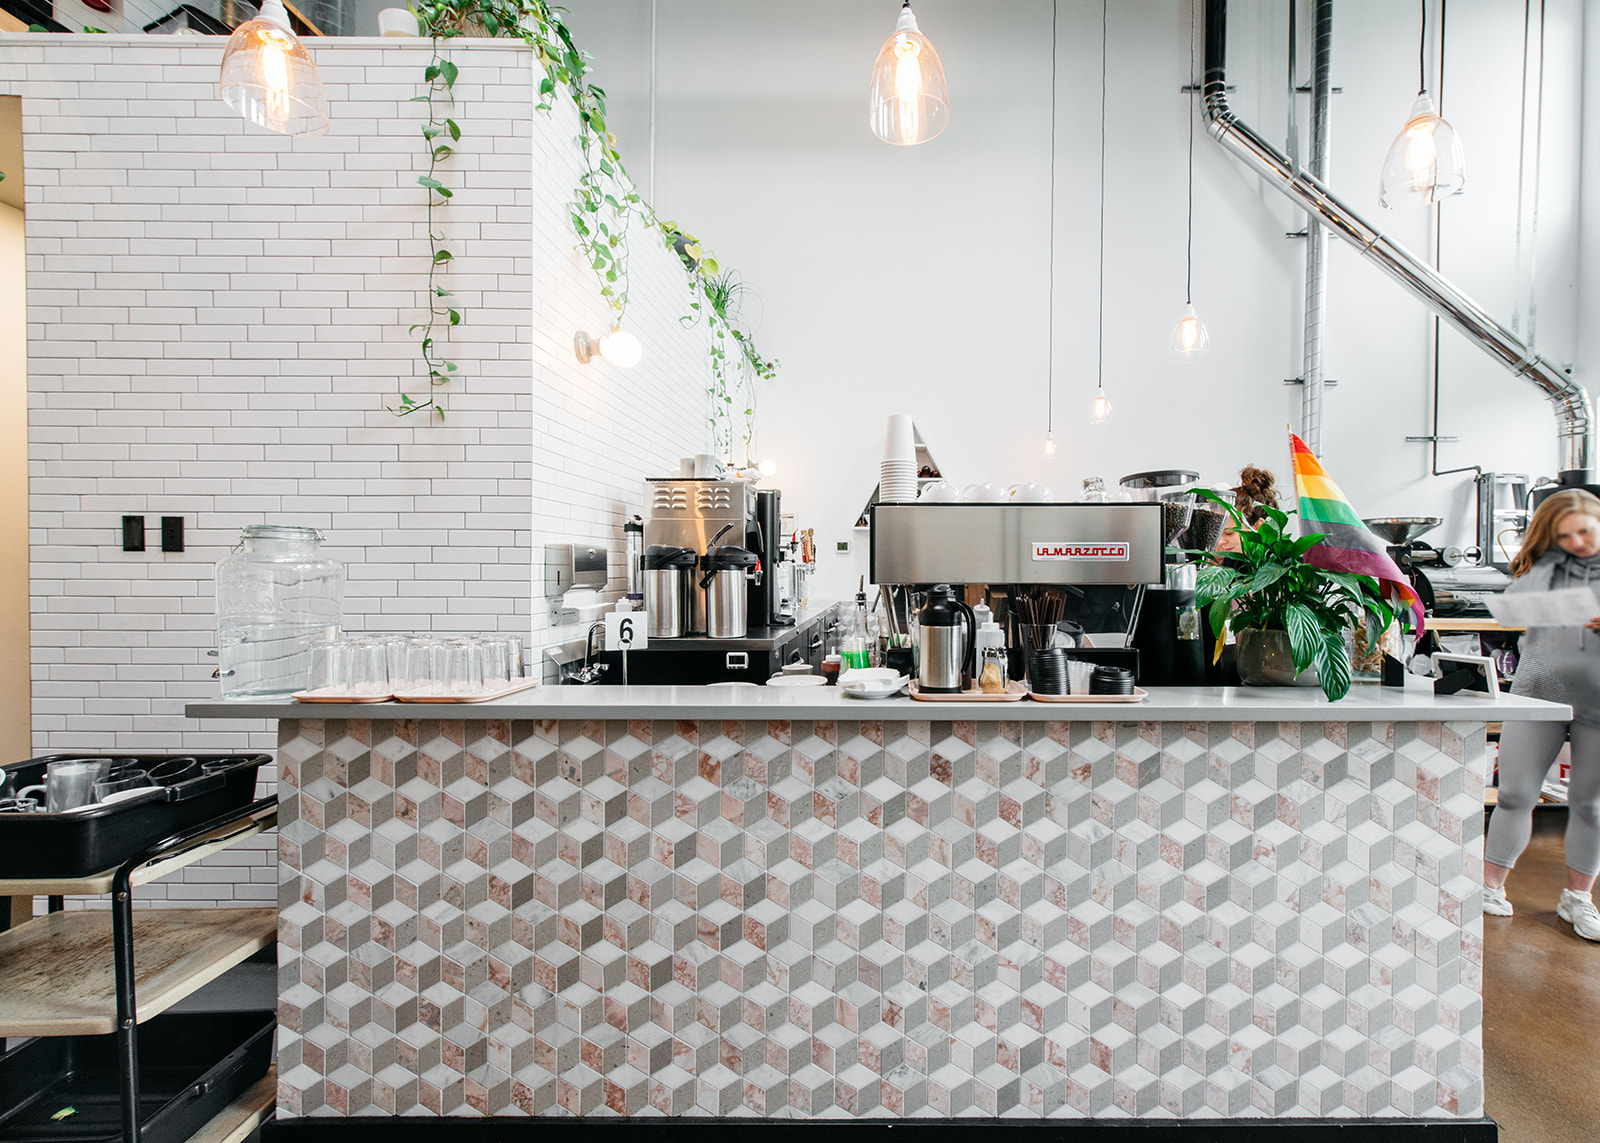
<point>605,201</point>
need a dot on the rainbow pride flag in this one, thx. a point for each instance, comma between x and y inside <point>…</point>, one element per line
<point>1350,546</point>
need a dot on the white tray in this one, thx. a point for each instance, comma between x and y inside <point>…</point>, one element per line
<point>335,696</point>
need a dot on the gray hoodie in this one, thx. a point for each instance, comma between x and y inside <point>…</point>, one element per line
<point>1562,664</point>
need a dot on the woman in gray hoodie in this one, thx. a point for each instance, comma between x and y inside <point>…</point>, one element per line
<point>1562,664</point>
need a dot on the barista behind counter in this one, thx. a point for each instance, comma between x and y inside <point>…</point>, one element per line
<point>697,660</point>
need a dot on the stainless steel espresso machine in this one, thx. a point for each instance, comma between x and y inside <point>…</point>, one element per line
<point>1000,551</point>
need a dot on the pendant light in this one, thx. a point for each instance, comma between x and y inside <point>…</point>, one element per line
<point>909,103</point>
<point>1100,411</point>
<point>268,78</point>
<point>1425,164</point>
<point>1050,362</point>
<point>1189,337</point>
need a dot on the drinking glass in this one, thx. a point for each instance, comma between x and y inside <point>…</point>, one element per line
<point>514,647</point>
<point>70,783</point>
<point>104,790</point>
<point>424,666</point>
<point>369,667</point>
<point>496,653</point>
<point>395,647</point>
<point>330,666</point>
<point>463,673</point>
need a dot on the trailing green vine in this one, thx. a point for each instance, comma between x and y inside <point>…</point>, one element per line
<point>605,204</point>
<point>440,76</point>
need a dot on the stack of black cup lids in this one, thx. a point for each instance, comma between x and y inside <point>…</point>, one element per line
<point>1047,672</point>
<point>1111,681</point>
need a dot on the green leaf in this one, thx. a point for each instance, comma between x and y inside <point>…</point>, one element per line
<point>454,129</point>
<point>430,73</point>
<point>430,131</point>
<point>1266,576</point>
<point>1305,634</point>
<point>448,72</point>
<point>1333,666</point>
<point>441,152</point>
<point>442,256</point>
<point>455,317</point>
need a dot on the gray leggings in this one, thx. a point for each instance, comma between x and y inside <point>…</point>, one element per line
<point>1527,750</point>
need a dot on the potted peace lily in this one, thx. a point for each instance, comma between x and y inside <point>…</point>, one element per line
<point>1289,615</point>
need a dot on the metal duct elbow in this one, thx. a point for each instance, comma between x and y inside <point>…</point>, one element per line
<point>1574,412</point>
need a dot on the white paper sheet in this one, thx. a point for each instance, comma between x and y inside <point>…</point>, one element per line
<point>1570,607</point>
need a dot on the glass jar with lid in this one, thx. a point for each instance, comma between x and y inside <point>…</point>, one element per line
<point>276,594</point>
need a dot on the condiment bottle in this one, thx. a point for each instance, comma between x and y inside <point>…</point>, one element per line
<point>991,654</point>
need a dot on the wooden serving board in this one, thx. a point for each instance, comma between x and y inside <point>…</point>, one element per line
<point>337,696</point>
<point>487,696</point>
<point>1014,692</point>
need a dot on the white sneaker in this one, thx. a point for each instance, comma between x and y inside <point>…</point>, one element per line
<point>1579,909</point>
<point>1495,903</point>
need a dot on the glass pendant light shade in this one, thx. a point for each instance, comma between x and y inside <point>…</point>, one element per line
<point>1189,338</point>
<point>1049,446</point>
<point>268,78</point>
<point>1425,163</point>
<point>909,103</point>
<point>1100,411</point>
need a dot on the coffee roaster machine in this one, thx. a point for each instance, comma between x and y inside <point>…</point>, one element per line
<point>1109,559</point>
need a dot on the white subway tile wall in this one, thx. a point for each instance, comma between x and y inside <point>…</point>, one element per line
<point>217,318</point>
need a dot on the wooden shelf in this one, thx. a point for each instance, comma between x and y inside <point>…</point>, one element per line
<point>234,1123</point>
<point>1486,624</point>
<point>56,974</point>
<point>96,883</point>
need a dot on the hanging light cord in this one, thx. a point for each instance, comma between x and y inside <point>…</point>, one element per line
<point>1050,365</point>
<point>1188,253</point>
<point>1422,52</point>
<point>1100,334</point>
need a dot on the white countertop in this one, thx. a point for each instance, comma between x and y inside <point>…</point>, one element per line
<point>1364,703</point>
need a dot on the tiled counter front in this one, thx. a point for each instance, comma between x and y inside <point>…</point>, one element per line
<point>880,918</point>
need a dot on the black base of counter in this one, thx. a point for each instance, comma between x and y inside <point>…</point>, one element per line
<point>364,1129</point>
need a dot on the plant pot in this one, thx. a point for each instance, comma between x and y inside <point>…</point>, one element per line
<point>1265,660</point>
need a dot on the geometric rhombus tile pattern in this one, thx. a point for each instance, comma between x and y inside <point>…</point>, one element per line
<point>880,918</point>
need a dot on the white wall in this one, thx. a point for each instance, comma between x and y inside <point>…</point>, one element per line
<point>217,318</point>
<point>15,715</point>
<point>916,279</point>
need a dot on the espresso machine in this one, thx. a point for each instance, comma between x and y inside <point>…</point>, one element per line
<point>1103,555</point>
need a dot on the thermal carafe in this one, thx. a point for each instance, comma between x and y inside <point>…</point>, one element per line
<point>669,585</point>
<point>947,636</point>
<point>725,576</point>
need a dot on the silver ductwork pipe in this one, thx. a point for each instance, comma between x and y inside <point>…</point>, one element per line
<point>1316,236</point>
<point>1574,412</point>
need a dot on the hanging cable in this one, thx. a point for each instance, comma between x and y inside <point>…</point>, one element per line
<point>1100,335</point>
<point>1188,253</point>
<point>652,102</point>
<point>1050,366</point>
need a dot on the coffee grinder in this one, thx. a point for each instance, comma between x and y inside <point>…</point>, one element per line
<point>1167,630</point>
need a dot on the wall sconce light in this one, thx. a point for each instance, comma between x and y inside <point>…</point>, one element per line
<point>269,79</point>
<point>619,347</point>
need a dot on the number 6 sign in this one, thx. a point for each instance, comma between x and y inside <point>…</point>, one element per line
<point>627,631</point>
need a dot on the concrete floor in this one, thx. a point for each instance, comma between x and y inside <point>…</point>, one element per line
<point>1541,1006</point>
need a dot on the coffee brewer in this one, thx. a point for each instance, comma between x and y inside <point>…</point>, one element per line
<point>693,512</point>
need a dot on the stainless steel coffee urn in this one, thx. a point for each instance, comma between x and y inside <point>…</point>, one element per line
<point>726,575</point>
<point>669,589</point>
